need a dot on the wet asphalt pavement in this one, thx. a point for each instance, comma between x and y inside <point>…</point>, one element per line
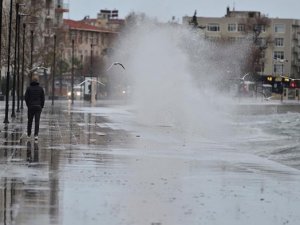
<point>83,171</point>
<point>33,173</point>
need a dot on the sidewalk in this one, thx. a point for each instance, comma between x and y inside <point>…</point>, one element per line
<point>89,169</point>
<point>31,177</point>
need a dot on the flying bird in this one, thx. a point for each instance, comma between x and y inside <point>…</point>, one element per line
<point>114,64</point>
<point>243,78</point>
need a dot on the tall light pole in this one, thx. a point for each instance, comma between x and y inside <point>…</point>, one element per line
<point>1,7</point>
<point>61,69</point>
<point>23,65</point>
<point>13,113</point>
<point>54,68</point>
<point>18,62</point>
<point>72,80</point>
<point>92,71</point>
<point>31,51</point>
<point>19,88</point>
<point>8,63</point>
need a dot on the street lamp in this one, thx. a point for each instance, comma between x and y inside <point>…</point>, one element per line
<point>91,71</point>
<point>31,50</point>
<point>20,86</point>
<point>13,114</point>
<point>23,57</point>
<point>1,7</point>
<point>8,63</point>
<point>61,47</point>
<point>72,80</point>
<point>53,69</point>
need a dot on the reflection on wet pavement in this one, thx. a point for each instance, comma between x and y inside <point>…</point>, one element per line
<point>86,170</point>
<point>31,172</point>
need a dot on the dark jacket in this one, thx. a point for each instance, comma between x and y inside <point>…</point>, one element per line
<point>34,95</point>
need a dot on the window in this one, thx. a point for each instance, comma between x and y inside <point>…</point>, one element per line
<point>232,27</point>
<point>278,69</point>
<point>279,28</point>
<point>278,55</point>
<point>279,42</point>
<point>241,27</point>
<point>260,28</point>
<point>213,27</point>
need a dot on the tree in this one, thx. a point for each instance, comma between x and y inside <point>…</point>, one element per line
<point>255,26</point>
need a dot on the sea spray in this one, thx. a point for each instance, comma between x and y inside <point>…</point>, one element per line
<point>178,78</point>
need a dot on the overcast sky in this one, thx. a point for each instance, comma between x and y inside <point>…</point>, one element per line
<point>163,10</point>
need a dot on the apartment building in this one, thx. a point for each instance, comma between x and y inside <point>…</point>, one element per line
<point>282,54</point>
<point>89,41</point>
<point>107,19</point>
<point>47,19</point>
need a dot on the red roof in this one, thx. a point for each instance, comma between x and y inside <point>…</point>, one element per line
<point>80,25</point>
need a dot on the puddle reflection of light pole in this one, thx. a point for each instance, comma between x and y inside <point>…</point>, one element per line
<point>35,152</point>
<point>28,152</point>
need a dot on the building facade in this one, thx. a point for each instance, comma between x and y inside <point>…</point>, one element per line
<point>280,37</point>
<point>89,41</point>
<point>107,19</point>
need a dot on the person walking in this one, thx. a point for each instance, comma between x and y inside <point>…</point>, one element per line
<point>35,100</point>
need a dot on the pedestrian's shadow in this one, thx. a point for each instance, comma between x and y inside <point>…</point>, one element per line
<point>32,153</point>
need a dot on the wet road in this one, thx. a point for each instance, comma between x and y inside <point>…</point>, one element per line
<point>87,169</point>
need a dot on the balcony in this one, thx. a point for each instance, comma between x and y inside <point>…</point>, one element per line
<point>295,49</point>
<point>296,36</point>
<point>62,8</point>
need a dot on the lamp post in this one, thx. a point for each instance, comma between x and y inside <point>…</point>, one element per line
<point>53,69</point>
<point>19,86</point>
<point>31,51</point>
<point>8,64</point>
<point>19,89</point>
<point>72,80</point>
<point>13,114</point>
<point>281,97</point>
<point>91,71</point>
<point>61,69</point>
<point>23,57</point>
<point>1,7</point>
<point>18,62</point>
